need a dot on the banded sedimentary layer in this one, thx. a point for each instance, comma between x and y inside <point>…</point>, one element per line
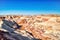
<point>40,27</point>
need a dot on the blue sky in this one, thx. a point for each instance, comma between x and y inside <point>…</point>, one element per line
<point>29,7</point>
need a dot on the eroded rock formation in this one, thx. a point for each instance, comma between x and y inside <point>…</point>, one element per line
<point>41,27</point>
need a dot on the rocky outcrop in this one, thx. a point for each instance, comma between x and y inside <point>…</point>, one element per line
<point>37,27</point>
<point>13,36</point>
<point>10,31</point>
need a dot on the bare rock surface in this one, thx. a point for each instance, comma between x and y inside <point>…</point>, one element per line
<point>36,27</point>
<point>8,32</point>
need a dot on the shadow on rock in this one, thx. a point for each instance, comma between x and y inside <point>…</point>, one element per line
<point>10,34</point>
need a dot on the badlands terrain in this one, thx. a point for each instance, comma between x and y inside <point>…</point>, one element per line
<point>27,27</point>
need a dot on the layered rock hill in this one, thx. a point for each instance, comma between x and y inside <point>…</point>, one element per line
<point>25,27</point>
